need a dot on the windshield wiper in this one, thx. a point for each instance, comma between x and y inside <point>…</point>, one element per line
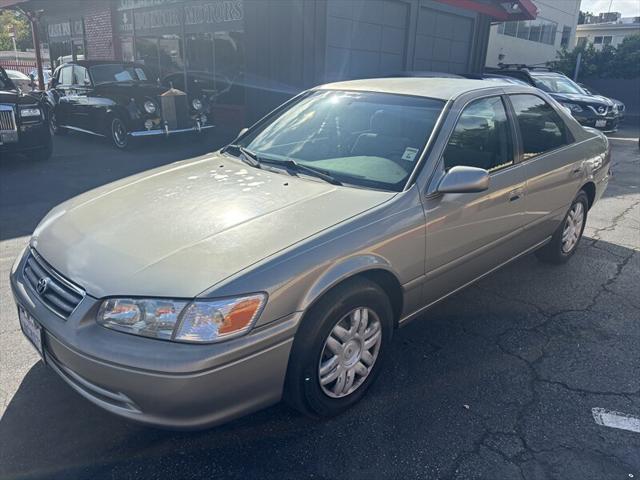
<point>299,167</point>
<point>255,160</point>
<point>246,155</point>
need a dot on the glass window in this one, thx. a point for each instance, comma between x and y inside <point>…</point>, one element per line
<point>557,84</point>
<point>511,28</point>
<point>361,138</point>
<point>117,72</point>
<point>541,128</point>
<point>607,40</point>
<point>582,41</point>
<point>482,137</point>
<point>66,75</point>
<point>548,34</point>
<point>566,36</point>
<point>597,40</point>
<point>80,75</point>
<point>523,29</point>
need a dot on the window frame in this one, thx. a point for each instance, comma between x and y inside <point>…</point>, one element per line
<point>569,134</point>
<point>512,131</point>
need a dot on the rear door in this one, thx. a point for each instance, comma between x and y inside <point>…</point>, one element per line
<point>553,173</point>
<point>468,234</point>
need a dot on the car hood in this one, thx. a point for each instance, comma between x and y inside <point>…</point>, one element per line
<point>588,99</point>
<point>17,97</point>
<point>180,229</point>
<point>132,89</point>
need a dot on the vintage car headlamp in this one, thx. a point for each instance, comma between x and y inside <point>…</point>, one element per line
<point>196,104</point>
<point>198,321</point>
<point>30,112</point>
<point>150,107</point>
<point>574,107</point>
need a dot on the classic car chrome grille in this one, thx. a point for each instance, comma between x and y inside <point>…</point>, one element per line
<point>57,293</point>
<point>7,119</point>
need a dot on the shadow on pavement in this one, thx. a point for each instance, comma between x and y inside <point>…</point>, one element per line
<point>499,375</point>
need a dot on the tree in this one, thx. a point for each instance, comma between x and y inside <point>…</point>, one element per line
<point>607,62</point>
<point>10,22</point>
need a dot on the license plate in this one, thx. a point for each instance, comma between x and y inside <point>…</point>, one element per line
<point>601,123</point>
<point>8,137</point>
<point>31,329</point>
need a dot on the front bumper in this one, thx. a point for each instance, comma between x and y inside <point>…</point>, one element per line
<point>611,122</point>
<point>167,384</point>
<point>167,132</point>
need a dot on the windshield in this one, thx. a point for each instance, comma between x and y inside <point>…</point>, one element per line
<point>557,84</point>
<point>360,138</point>
<point>117,72</point>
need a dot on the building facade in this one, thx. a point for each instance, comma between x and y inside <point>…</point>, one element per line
<point>537,41</point>
<point>257,53</point>
<point>600,34</point>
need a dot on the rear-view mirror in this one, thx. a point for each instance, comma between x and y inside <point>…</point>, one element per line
<point>462,179</point>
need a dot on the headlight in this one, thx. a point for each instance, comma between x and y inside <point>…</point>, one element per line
<point>202,321</point>
<point>150,107</point>
<point>197,104</point>
<point>30,112</point>
<point>573,107</point>
<point>615,107</point>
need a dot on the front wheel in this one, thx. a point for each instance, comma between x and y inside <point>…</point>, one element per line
<point>564,242</point>
<point>119,134</point>
<point>339,349</point>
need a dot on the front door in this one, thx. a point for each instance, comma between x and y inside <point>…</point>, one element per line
<point>64,88</point>
<point>468,234</point>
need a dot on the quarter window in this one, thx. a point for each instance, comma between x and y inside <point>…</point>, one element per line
<point>541,127</point>
<point>482,137</point>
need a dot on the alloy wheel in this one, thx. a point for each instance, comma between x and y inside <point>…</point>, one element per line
<point>350,352</point>
<point>572,227</point>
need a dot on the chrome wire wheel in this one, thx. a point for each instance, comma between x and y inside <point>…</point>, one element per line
<point>572,227</point>
<point>119,133</point>
<point>350,352</point>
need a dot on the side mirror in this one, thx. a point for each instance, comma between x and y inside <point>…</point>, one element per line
<point>460,179</point>
<point>242,132</point>
<point>87,82</point>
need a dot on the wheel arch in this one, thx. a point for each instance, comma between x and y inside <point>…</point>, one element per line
<point>590,189</point>
<point>370,267</point>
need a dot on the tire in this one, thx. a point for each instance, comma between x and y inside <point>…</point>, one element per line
<point>118,133</point>
<point>42,154</point>
<point>53,125</point>
<point>559,251</point>
<point>312,348</point>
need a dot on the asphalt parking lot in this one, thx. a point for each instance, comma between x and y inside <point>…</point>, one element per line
<point>502,381</point>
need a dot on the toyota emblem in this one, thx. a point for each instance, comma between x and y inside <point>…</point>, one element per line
<point>43,284</point>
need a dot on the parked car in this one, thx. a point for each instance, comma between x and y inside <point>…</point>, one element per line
<point>279,266</point>
<point>589,110</point>
<point>20,80</point>
<point>46,77</point>
<point>617,103</point>
<point>118,100</point>
<point>23,122</point>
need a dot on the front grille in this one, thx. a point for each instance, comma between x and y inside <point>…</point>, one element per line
<point>7,119</point>
<point>57,293</point>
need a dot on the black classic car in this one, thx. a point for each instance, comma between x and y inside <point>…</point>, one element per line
<point>590,110</point>
<point>120,101</point>
<point>23,122</point>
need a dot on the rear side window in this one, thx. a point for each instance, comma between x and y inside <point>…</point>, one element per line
<point>541,127</point>
<point>482,137</point>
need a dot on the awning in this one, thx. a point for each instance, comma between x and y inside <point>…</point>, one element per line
<point>504,11</point>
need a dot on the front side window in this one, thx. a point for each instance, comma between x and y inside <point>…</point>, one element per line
<point>481,138</point>
<point>81,75</point>
<point>361,138</point>
<point>541,127</point>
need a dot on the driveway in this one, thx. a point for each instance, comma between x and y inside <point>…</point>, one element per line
<point>516,377</point>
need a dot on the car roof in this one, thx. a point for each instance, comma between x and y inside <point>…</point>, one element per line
<point>440,88</point>
<point>91,63</point>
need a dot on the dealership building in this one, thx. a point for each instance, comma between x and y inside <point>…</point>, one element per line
<point>260,52</point>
